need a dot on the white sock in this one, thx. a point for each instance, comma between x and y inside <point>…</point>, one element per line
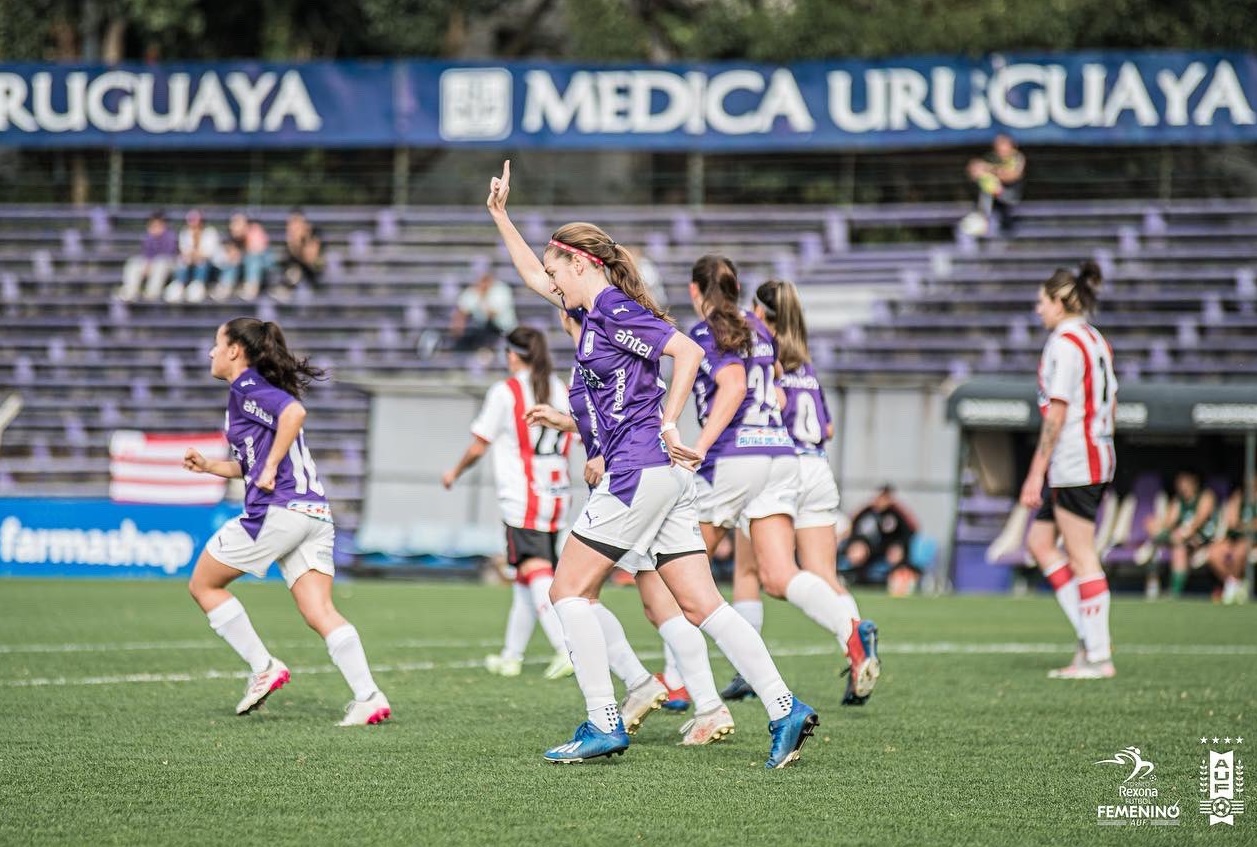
<point>1094,609</point>
<point>850,614</point>
<point>752,610</point>
<point>231,621</point>
<point>539,587</point>
<point>686,642</point>
<point>1061,577</point>
<point>745,650</point>
<point>589,658</point>
<point>624,662</point>
<point>345,648</point>
<point>671,673</point>
<point>819,602</point>
<point>519,623</point>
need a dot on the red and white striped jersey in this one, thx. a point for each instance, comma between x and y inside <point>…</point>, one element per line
<point>529,462</point>
<point>1077,367</point>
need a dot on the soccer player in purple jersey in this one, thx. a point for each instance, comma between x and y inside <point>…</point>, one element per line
<point>286,516</point>
<point>805,415</point>
<point>645,500</point>
<point>750,470</point>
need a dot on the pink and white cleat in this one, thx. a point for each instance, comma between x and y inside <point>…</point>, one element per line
<point>1088,670</point>
<point>1080,658</point>
<point>708,727</point>
<point>373,710</point>
<point>263,685</point>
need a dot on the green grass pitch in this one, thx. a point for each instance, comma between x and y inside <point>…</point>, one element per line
<point>118,728</point>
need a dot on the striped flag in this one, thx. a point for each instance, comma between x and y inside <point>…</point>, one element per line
<point>147,467</point>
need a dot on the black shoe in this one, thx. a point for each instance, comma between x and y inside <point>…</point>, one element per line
<point>737,689</point>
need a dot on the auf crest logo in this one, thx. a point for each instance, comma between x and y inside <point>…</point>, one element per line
<point>1141,767</point>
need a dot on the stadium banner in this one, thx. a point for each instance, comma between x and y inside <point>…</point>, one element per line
<point>1097,98</point>
<point>99,538</point>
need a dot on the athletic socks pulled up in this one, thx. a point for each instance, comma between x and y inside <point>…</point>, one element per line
<point>345,648</point>
<point>519,623</point>
<point>1094,597</point>
<point>588,649</point>
<point>232,623</point>
<point>816,599</point>
<point>686,642</point>
<point>1061,577</point>
<point>752,610</point>
<point>745,650</point>
<point>620,656</point>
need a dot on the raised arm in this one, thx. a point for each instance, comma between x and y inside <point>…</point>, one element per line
<point>529,267</point>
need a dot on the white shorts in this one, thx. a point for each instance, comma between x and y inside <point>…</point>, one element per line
<point>818,493</point>
<point>661,519</point>
<point>749,487</point>
<point>299,543</point>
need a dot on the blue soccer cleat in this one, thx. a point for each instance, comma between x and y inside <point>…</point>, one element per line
<point>789,733</point>
<point>866,666</point>
<point>737,689</point>
<point>589,742</point>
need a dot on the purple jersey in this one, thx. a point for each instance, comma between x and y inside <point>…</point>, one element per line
<point>253,410</point>
<point>618,359</point>
<point>806,414</point>
<point>578,405</point>
<point>756,428</point>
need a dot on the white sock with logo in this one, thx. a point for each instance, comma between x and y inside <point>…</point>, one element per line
<point>752,610</point>
<point>623,661</point>
<point>671,673</point>
<point>589,659</point>
<point>519,623</point>
<point>345,648</point>
<point>818,601</point>
<point>539,587</point>
<point>745,650</point>
<point>232,623</point>
<point>686,642</point>
<point>1061,577</point>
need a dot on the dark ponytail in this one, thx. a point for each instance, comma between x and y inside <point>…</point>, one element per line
<point>267,351</point>
<point>1079,290</point>
<point>717,281</point>
<point>531,347</point>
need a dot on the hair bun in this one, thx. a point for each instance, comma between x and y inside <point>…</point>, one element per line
<point>1089,274</point>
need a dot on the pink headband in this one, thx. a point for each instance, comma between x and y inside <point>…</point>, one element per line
<point>576,251</point>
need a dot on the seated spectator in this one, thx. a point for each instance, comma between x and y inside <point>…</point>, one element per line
<point>879,539</point>
<point>1185,528</point>
<point>1228,556</point>
<point>152,266</point>
<point>302,259</point>
<point>246,254</point>
<point>1000,177</point>
<point>485,312</point>
<point>198,248</point>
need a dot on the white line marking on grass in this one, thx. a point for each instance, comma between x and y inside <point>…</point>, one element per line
<point>206,644</point>
<point>907,648</point>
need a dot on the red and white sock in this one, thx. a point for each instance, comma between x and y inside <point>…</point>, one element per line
<point>1061,577</point>
<point>1093,595</point>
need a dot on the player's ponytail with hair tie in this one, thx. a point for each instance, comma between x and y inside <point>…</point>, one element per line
<point>717,281</point>
<point>531,347</point>
<point>267,352</point>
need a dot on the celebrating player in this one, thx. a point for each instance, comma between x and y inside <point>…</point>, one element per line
<point>750,470</point>
<point>286,516</point>
<point>534,492</point>
<point>645,500</point>
<point>1074,463</point>
<point>805,415</point>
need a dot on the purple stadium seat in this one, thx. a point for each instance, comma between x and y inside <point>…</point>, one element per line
<point>359,245</point>
<point>837,233</point>
<point>386,228</point>
<point>23,371</point>
<point>1145,489</point>
<point>41,265</point>
<point>72,243</point>
<point>102,226</point>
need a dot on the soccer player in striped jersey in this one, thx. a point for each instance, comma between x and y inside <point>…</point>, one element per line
<point>645,502</point>
<point>1074,463</point>
<point>750,469</point>
<point>805,415</point>
<point>286,516</point>
<point>534,492</point>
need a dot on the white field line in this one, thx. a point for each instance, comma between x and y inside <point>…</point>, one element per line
<point>208,644</point>
<point>913,648</point>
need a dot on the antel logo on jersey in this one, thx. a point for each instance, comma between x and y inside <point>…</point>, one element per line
<point>626,339</point>
<point>252,408</point>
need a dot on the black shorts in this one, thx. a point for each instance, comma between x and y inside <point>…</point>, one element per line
<point>1080,500</point>
<point>525,544</point>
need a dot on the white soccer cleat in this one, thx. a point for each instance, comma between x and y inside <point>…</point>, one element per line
<point>263,685</point>
<point>1080,658</point>
<point>1143,555</point>
<point>502,665</point>
<point>1089,670</point>
<point>708,727</point>
<point>373,710</point>
<point>559,667</point>
<point>640,702</point>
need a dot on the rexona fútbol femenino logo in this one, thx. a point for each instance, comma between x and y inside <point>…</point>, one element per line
<point>1221,782</point>
<point>1138,800</point>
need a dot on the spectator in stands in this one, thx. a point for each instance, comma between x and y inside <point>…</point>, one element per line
<point>302,262</point>
<point>485,312</point>
<point>882,532</point>
<point>247,255</point>
<point>230,258</point>
<point>1185,528</point>
<point>198,248</point>
<point>152,266</point>
<point>999,175</point>
<point>1228,555</point>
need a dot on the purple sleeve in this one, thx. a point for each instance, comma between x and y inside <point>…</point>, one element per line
<point>715,358</point>
<point>265,404</point>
